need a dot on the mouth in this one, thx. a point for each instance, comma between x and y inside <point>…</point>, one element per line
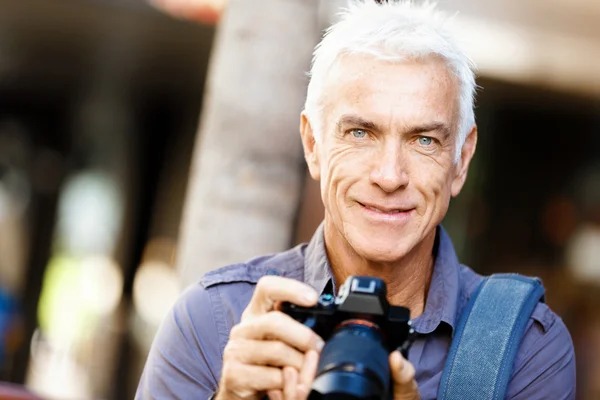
<point>386,211</point>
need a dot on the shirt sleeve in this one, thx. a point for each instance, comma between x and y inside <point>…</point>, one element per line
<point>185,355</point>
<point>545,364</point>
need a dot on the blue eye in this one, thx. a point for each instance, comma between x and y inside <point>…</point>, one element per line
<point>425,140</point>
<point>359,133</point>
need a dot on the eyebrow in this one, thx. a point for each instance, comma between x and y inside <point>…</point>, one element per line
<point>430,127</point>
<point>355,120</point>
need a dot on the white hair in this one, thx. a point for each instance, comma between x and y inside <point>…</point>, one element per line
<point>392,31</point>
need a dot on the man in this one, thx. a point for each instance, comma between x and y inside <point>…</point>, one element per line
<point>388,130</point>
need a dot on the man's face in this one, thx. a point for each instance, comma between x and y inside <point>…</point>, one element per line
<point>385,158</point>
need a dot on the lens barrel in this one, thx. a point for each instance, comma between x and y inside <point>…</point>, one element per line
<point>353,365</point>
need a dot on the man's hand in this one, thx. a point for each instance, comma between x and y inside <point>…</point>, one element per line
<point>268,351</point>
<point>403,373</point>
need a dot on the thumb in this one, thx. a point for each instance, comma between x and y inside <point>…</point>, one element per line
<point>403,374</point>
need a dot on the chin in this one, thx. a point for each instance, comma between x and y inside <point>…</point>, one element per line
<point>381,257</point>
<point>385,249</point>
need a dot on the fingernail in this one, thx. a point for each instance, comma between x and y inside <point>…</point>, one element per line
<point>302,390</point>
<point>400,360</point>
<point>311,297</point>
<point>395,359</point>
<point>320,344</point>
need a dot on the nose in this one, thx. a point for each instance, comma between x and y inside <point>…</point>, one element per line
<point>390,172</point>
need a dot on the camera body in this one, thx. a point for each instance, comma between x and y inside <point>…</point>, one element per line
<point>360,329</point>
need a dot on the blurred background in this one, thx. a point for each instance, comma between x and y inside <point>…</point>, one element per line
<point>144,143</point>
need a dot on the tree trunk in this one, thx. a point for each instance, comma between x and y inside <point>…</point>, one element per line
<point>247,168</point>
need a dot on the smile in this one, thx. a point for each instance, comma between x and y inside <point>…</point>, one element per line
<point>383,211</point>
<point>387,214</point>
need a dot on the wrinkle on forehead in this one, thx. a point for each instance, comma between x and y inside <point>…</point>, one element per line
<point>391,90</point>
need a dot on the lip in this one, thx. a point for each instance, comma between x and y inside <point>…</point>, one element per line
<point>387,213</point>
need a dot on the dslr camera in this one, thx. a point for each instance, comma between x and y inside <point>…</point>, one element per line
<point>360,329</point>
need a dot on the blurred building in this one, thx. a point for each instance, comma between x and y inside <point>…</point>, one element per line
<point>99,107</point>
<point>99,104</point>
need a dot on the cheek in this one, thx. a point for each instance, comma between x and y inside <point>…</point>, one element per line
<point>434,180</point>
<point>344,166</point>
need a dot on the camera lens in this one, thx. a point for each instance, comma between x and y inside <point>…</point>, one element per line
<point>353,365</point>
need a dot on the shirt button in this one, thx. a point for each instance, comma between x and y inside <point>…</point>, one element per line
<point>272,272</point>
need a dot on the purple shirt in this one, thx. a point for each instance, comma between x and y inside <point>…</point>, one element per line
<point>185,360</point>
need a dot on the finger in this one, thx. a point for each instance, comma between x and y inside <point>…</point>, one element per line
<point>290,383</point>
<point>263,352</point>
<point>403,373</point>
<point>272,289</point>
<point>275,394</point>
<point>402,370</point>
<point>276,325</point>
<point>303,392</point>
<point>307,373</point>
<point>247,380</point>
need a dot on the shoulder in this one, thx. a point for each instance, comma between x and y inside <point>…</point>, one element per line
<point>185,356</point>
<point>544,365</point>
<point>221,295</point>
<point>222,291</point>
<point>289,263</point>
<point>543,319</point>
<point>188,346</point>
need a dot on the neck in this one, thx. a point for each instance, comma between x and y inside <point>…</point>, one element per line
<point>407,279</point>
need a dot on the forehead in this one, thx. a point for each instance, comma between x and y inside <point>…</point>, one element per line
<point>410,91</point>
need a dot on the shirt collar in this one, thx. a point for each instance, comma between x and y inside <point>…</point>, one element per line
<point>444,290</point>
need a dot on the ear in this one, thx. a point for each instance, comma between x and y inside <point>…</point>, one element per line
<point>311,153</point>
<point>466,155</point>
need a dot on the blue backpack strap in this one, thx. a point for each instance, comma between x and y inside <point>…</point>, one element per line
<point>488,335</point>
